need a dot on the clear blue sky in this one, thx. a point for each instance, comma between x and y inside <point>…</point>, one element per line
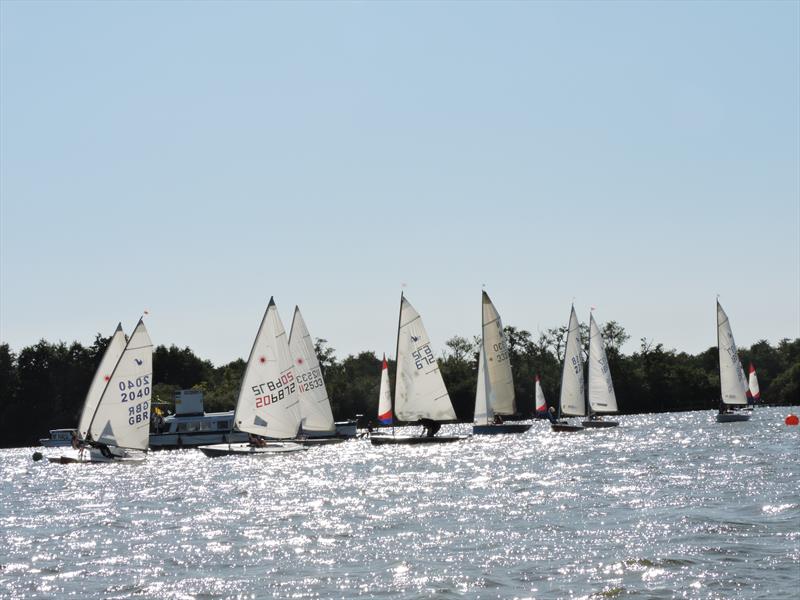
<point>194,159</point>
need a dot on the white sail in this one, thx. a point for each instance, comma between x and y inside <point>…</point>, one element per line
<point>601,389</point>
<point>420,392</point>
<point>101,377</point>
<point>315,407</point>
<point>498,365</point>
<point>572,401</point>
<point>484,415</point>
<point>122,417</point>
<point>731,375</point>
<point>268,403</point>
<point>541,403</point>
<point>385,396</point>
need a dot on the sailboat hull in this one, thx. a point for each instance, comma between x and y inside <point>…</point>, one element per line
<point>385,440</point>
<point>96,456</point>
<point>600,424</point>
<point>565,427</point>
<point>319,441</point>
<point>500,428</point>
<point>732,417</point>
<point>217,450</point>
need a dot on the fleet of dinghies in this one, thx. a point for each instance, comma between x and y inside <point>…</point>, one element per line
<point>283,403</point>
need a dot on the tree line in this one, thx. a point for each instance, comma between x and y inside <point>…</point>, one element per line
<point>43,386</point>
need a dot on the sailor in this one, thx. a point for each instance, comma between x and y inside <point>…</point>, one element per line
<point>431,426</point>
<point>551,414</point>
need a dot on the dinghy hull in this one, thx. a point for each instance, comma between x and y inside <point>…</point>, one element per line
<point>600,424</point>
<point>96,457</point>
<point>385,440</point>
<point>217,450</point>
<point>320,441</point>
<point>565,427</point>
<point>732,417</point>
<point>500,428</point>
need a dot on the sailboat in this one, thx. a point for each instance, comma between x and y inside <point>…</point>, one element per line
<point>733,385</point>
<point>571,401</point>
<point>755,392</point>
<point>601,398</point>
<point>115,421</point>
<point>316,416</point>
<point>541,403</point>
<point>494,396</point>
<point>420,393</point>
<point>384,400</point>
<point>268,404</point>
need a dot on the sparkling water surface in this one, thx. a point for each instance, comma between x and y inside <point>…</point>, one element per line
<point>665,506</point>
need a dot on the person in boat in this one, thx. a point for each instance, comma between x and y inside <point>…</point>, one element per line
<point>76,442</point>
<point>551,415</point>
<point>256,441</point>
<point>431,427</point>
<point>498,420</point>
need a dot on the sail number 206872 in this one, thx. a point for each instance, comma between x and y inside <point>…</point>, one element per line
<point>270,392</point>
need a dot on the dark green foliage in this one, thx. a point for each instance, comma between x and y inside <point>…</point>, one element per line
<point>44,385</point>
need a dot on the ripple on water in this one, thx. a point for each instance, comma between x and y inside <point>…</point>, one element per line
<point>664,506</point>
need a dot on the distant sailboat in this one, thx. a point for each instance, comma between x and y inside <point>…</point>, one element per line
<point>733,385</point>
<point>115,421</point>
<point>494,396</point>
<point>601,398</point>
<point>317,425</point>
<point>385,396</point>
<point>571,401</point>
<point>541,403</point>
<point>755,392</point>
<point>268,403</point>
<point>420,393</point>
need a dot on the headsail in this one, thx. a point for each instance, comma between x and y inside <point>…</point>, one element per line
<point>601,389</point>
<point>497,363</point>
<point>420,392</point>
<point>268,403</point>
<point>541,403</point>
<point>484,396</point>
<point>731,375</point>
<point>385,396</point>
<point>571,401</point>
<point>755,392</point>
<point>102,376</point>
<point>122,417</point>
<point>315,407</point>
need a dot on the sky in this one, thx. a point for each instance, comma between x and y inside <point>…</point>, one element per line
<point>194,159</point>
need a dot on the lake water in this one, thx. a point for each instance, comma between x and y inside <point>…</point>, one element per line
<point>665,506</point>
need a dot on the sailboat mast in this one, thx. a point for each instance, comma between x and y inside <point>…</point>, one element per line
<point>589,371</point>
<point>719,357</point>
<point>564,365</point>
<point>397,361</point>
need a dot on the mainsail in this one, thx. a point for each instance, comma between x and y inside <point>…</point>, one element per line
<point>122,417</point>
<point>541,403</point>
<point>571,401</point>
<point>268,403</point>
<point>497,363</point>
<point>315,407</point>
<point>420,392</point>
<point>484,396</point>
<point>102,376</point>
<point>733,385</point>
<point>385,396</point>
<point>601,388</point>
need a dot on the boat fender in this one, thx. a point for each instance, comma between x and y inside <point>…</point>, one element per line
<point>792,419</point>
<point>37,456</point>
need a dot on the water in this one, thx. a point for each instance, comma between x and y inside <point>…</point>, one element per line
<point>665,506</point>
